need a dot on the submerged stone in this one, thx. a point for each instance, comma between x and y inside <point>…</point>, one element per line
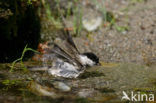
<point>62,86</point>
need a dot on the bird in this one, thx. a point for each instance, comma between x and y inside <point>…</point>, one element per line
<point>68,62</point>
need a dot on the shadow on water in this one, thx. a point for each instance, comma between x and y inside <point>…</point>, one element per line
<point>19,27</point>
<point>91,74</point>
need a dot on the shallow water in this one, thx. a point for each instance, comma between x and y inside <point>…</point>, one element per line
<point>96,85</point>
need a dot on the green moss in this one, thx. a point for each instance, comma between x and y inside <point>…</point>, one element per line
<point>11,85</point>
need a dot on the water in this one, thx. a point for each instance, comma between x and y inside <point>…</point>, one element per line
<point>98,84</point>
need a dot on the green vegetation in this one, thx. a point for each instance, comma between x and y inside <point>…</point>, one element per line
<point>21,58</point>
<point>77,16</point>
<point>9,83</point>
<point>102,8</point>
<point>50,16</point>
<point>121,28</point>
<point>77,21</point>
<point>109,17</point>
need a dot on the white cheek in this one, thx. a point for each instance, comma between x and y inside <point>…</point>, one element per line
<point>86,61</point>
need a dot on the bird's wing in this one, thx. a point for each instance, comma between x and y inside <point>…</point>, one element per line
<point>68,38</point>
<point>68,44</point>
<point>70,41</point>
<point>66,48</point>
<point>62,54</point>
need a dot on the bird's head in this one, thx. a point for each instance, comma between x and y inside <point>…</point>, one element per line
<point>92,57</point>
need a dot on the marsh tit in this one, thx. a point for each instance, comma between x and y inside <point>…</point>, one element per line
<point>68,62</point>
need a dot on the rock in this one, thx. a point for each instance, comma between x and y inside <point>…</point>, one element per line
<point>85,92</point>
<point>40,90</point>
<point>62,86</point>
<point>92,17</point>
<point>92,24</point>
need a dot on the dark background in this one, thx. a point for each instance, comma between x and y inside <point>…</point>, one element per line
<point>18,29</point>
